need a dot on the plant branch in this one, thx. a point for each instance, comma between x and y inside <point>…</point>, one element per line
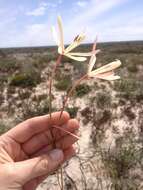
<point>51,83</point>
<point>71,91</point>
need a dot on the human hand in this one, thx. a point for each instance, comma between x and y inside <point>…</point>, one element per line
<point>27,155</point>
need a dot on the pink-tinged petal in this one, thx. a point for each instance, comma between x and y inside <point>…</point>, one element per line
<point>61,34</point>
<point>76,58</point>
<point>106,68</point>
<point>85,54</point>
<point>91,64</point>
<point>77,41</point>
<point>55,36</point>
<point>60,51</point>
<point>93,57</point>
<point>110,78</point>
<point>106,74</point>
<point>69,133</point>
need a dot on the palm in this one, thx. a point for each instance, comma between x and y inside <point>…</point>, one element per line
<point>35,137</point>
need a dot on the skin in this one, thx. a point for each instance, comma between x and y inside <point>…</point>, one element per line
<point>29,152</point>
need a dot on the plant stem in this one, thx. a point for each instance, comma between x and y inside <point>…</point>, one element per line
<point>50,93</point>
<point>71,91</point>
<point>64,104</point>
<point>62,180</point>
<point>50,109</point>
<point>51,83</point>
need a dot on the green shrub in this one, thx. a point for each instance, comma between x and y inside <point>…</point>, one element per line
<point>103,100</point>
<point>72,111</point>
<point>126,85</point>
<point>100,120</point>
<point>119,161</point>
<point>30,108</point>
<point>129,89</point>
<point>25,79</point>
<point>24,94</point>
<point>139,96</point>
<point>1,98</point>
<point>8,65</point>
<point>129,113</point>
<point>64,83</point>
<point>132,68</point>
<point>82,90</point>
<point>3,79</point>
<point>42,60</point>
<point>79,67</point>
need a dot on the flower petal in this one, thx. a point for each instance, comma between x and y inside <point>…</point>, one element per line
<point>60,51</point>
<point>61,34</point>
<point>107,76</point>
<point>110,78</point>
<point>91,64</point>
<point>106,68</point>
<point>76,58</point>
<point>85,54</point>
<point>75,43</point>
<point>93,57</point>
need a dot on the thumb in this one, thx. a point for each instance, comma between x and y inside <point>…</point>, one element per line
<point>38,166</point>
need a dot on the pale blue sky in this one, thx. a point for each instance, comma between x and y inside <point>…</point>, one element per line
<point>28,22</point>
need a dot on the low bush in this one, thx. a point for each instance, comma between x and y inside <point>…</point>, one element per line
<point>25,79</point>
<point>103,100</point>
<point>132,68</point>
<point>64,83</point>
<point>8,65</point>
<point>118,163</point>
<point>72,111</point>
<point>131,90</point>
<point>31,108</point>
<point>82,90</point>
<point>129,113</point>
<point>1,98</point>
<point>126,85</point>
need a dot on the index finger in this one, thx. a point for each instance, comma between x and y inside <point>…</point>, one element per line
<point>25,130</point>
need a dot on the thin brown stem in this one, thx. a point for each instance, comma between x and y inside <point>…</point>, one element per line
<point>64,130</point>
<point>51,83</point>
<point>64,104</point>
<point>62,179</point>
<point>71,91</point>
<point>50,108</point>
<point>50,92</point>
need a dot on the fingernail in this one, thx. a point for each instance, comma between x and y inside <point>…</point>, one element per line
<point>57,155</point>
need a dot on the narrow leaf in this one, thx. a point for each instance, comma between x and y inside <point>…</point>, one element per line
<point>61,34</point>
<point>76,58</point>
<point>106,68</point>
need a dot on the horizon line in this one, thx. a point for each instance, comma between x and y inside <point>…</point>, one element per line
<point>47,46</point>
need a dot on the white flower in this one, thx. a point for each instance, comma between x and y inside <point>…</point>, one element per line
<point>105,72</point>
<point>67,51</point>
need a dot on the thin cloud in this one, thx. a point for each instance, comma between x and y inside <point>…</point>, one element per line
<point>34,35</point>
<point>81,3</point>
<point>89,17</point>
<point>60,1</point>
<point>96,18</point>
<point>40,11</point>
<point>94,9</point>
